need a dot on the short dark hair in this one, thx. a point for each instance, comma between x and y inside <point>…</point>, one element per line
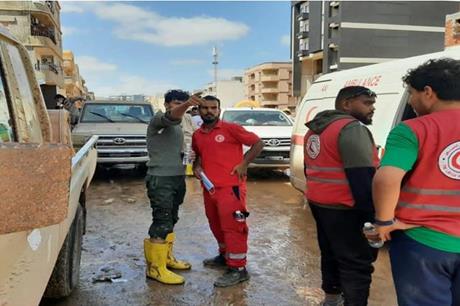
<point>352,92</point>
<point>212,98</point>
<point>176,94</point>
<point>442,75</point>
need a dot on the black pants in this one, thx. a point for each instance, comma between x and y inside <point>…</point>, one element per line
<point>166,194</point>
<point>346,257</point>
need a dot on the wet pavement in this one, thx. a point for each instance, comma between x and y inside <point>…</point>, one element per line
<point>283,257</point>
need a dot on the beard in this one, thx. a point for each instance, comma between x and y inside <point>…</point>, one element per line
<point>365,119</point>
<point>209,120</point>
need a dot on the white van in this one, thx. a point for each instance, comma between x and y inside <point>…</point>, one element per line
<point>391,106</point>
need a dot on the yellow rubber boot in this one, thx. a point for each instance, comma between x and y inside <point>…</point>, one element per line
<point>155,256</point>
<point>172,262</point>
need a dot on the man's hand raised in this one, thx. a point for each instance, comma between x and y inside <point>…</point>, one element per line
<point>194,100</point>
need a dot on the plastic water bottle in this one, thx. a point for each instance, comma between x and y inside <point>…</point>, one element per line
<point>188,158</point>
<point>369,228</point>
<point>208,185</point>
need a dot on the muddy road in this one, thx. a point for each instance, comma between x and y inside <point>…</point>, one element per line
<point>283,253</point>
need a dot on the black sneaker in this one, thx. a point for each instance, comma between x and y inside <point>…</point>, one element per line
<point>215,262</point>
<point>232,277</point>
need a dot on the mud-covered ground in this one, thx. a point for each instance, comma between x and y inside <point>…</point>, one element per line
<point>283,255</point>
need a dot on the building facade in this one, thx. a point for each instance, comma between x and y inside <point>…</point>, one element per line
<point>74,83</point>
<point>37,25</point>
<point>328,36</point>
<point>452,37</point>
<point>229,92</point>
<point>270,84</point>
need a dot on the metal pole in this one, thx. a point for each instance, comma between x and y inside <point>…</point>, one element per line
<point>215,63</point>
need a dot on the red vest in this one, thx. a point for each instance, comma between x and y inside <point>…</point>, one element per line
<point>326,180</point>
<point>431,195</point>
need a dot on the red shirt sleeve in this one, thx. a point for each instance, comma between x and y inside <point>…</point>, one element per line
<point>242,135</point>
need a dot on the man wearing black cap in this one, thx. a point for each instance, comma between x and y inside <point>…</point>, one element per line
<point>340,161</point>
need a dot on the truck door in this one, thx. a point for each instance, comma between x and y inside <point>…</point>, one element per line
<point>35,176</point>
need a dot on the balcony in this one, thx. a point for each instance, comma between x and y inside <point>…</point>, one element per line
<point>50,73</point>
<point>302,53</point>
<point>69,80</point>
<point>48,7</point>
<point>302,34</point>
<point>303,16</point>
<point>271,103</point>
<point>265,90</point>
<point>39,30</point>
<point>269,78</point>
<point>68,66</point>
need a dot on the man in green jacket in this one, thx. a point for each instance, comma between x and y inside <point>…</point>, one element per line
<point>165,182</point>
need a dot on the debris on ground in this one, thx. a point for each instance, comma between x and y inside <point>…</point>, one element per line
<point>109,201</point>
<point>131,200</point>
<point>108,274</point>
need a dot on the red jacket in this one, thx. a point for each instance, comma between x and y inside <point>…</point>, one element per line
<point>431,194</point>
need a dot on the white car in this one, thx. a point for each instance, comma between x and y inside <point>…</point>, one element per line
<point>273,126</point>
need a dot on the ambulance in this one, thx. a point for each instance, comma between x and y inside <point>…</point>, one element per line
<point>391,103</point>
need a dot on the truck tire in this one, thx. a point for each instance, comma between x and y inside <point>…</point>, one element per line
<point>66,272</point>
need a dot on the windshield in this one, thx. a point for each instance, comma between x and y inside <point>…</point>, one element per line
<point>252,118</point>
<point>128,113</point>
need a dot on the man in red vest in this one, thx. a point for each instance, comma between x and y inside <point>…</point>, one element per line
<point>423,156</point>
<point>340,161</point>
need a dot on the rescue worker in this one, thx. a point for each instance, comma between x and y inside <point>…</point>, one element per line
<point>423,156</point>
<point>219,154</point>
<point>340,161</point>
<point>165,182</point>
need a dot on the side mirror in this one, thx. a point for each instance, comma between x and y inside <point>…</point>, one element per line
<point>34,185</point>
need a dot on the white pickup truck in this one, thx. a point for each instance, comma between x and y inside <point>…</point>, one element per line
<point>43,184</point>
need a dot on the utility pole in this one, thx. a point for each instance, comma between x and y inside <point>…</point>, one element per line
<point>215,62</point>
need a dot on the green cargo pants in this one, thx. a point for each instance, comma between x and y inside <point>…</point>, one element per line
<point>166,194</point>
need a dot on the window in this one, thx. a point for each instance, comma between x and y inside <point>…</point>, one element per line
<point>305,8</point>
<point>304,26</point>
<point>111,112</point>
<point>26,95</point>
<point>6,129</point>
<point>303,44</point>
<point>257,118</point>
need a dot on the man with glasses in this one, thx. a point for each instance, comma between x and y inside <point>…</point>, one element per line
<point>340,159</point>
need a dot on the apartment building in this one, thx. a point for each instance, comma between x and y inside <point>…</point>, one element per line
<point>229,91</point>
<point>328,36</point>
<point>74,83</point>
<point>452,35</point>
<point>270,84</point>
<point>37,25</point>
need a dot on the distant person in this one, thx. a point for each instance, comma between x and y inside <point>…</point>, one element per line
<point>418,184</point>
<point>340,162</point>
<point>69,105</point>
<point>219,150</point>
<point>165,182</point>
<point>196,118</point>
<point>60,101</point>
